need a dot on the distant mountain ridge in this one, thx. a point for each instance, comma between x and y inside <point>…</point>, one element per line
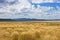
<point>28,19</point>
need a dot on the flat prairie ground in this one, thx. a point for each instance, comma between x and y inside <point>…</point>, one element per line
<point>29,30</point>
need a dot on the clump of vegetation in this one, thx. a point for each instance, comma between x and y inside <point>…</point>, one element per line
<point>37,34</point>
<point>27,36</point>
<point>15,35</point>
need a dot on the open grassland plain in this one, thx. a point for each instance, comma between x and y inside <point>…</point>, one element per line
<point>29,30</point>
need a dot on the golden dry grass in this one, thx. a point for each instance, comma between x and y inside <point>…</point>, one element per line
<point>29,30</point>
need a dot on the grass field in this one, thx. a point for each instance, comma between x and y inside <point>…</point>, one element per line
<point>29,30</point>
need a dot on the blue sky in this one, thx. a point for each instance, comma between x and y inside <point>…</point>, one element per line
<point>16,11</point>
<point>1,0</point>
